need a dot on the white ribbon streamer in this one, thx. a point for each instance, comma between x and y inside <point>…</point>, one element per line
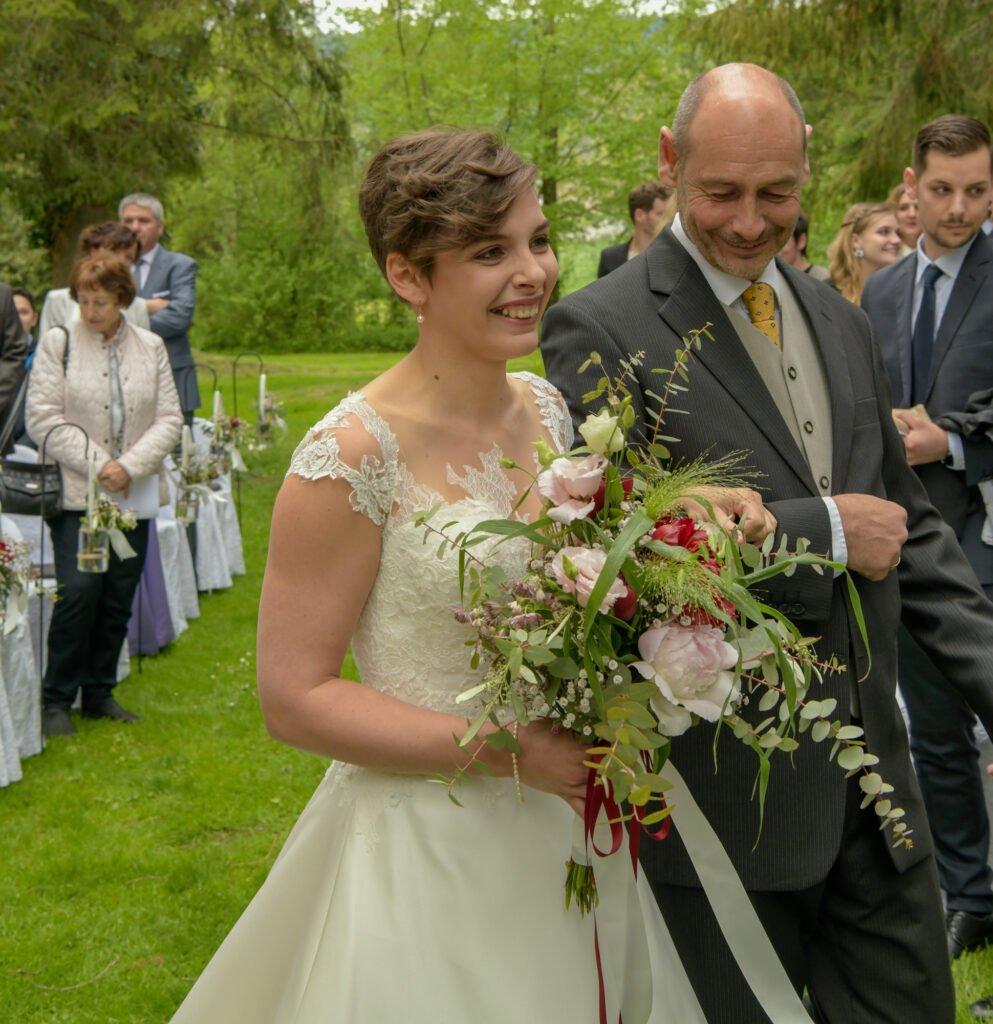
<point>120,544</point>
<point>750,946</point>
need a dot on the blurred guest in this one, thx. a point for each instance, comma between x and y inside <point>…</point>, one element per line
<point>867,241</point>
<point>114,380</point>
<point>904,206</point>
<point>27,313</point>
<point>167,281</point>
<point>13,350</point>
<point>109,238</point>
<point>16,432</point>
<point>795,251</point>
<point>647,208</point>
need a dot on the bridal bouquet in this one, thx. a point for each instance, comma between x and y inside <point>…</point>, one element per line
<point>634,621</point>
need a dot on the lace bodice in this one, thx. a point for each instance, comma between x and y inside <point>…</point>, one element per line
<point>407,642</point>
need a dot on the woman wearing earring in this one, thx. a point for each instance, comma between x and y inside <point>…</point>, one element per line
<point>867,241</point>
<point>387,903</point>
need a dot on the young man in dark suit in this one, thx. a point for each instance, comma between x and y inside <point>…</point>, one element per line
<point>167,282</point>
<point>856,923</point>
<point>646,208</point>
<point>933,317</point>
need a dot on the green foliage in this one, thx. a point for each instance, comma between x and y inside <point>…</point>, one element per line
<point>21,261</point>
<point>576,86</point>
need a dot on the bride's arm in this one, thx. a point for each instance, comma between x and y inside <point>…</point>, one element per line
<point>323,559</point>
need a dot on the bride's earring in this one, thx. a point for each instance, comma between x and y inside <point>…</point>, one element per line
<point>419,317</point>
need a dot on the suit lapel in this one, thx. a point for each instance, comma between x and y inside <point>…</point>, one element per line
<point>974,272</point>
<point>903,301</point>
<point>687,304</point>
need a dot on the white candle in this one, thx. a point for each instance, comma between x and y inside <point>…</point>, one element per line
<point>91,487</point>
<point>218,407</point>
<point>261,394</point>
<point>187,447</point>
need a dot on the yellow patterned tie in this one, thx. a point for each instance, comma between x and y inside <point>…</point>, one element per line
<point>760,299</point>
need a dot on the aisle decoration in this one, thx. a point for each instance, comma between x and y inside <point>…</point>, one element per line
<point>270,423</point>
<point>15,582</point>
<point>199,475</point>
<point>227,433</point>
<point>102,527</point>
<point>635,621</point>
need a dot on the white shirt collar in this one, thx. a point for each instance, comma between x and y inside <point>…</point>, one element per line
<point>149,256</point>
<point>950,262</point>
<point>727,287</point>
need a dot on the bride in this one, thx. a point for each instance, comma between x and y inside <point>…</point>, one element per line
<point>388,902</point>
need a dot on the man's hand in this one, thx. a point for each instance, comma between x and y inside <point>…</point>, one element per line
<point>155,305</point>
<point>735,508</point>
<point>875,532</point>
<point>923,440</point>
<point>114,477</point>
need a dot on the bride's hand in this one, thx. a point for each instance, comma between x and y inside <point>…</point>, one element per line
<point>553,762</point>
<point>735,508</point>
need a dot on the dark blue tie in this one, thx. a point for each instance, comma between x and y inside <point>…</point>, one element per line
<point>922,341</point>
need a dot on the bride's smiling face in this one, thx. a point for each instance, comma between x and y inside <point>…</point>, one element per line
<point>489,296</point>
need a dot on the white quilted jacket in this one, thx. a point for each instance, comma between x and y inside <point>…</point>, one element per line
<point>81,394</point>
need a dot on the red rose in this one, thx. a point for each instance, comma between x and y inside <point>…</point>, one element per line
<point>625,607</point>
<point>679,533</point>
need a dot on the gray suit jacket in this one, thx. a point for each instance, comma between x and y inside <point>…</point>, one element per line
<point>649,304</point>
<point>173,276</point>
<point>962,363</point>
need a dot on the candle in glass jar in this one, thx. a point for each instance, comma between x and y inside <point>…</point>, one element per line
<point>91,487</point>
<point>261,394</point>
<point>187,447</point>
<point>218,407</point>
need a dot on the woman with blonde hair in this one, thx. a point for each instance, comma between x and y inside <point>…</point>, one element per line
<point>867,241</point>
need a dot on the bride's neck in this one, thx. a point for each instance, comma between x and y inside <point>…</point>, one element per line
<point>468,389</point>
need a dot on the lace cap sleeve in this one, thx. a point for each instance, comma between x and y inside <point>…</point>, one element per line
<point>552,409</point>
<point>373,480</point>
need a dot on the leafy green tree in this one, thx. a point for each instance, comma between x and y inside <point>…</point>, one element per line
<point>580,87</point>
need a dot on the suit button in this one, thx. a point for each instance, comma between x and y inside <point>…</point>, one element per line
<point>808,427</point>
<point>791,373</point>
<point>825,483</point>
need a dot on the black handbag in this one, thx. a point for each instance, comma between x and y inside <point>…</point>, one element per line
<point>30,488</point>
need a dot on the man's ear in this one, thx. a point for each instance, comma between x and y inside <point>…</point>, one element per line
<point>405,279</point>
<point>910,182</point>
<point>668,161</point>
<point>808,130</point>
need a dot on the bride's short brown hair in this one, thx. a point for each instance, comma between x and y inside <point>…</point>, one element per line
<point>438,189</point>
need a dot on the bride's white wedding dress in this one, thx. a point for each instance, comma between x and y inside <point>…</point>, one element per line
<point>390,904</point>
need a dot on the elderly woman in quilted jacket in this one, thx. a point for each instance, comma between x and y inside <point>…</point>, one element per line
<point>112,379</point>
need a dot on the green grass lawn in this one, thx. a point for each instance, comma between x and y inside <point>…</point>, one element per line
<point>128,852</point>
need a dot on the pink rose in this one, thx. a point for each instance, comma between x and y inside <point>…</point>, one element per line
<point>569,484</point>
<point>576,571</point>
<point>690,666</point>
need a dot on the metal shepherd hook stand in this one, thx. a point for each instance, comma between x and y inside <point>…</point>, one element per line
<point>234,407</point>
<point>42,646</point>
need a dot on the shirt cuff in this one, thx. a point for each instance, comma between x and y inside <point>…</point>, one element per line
<point>955,459</point>
<point>839,546</point>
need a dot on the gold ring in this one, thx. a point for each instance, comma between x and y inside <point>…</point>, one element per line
<point>895,564</point>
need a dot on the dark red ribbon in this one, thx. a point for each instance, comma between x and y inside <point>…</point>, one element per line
<point>600,797</point>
